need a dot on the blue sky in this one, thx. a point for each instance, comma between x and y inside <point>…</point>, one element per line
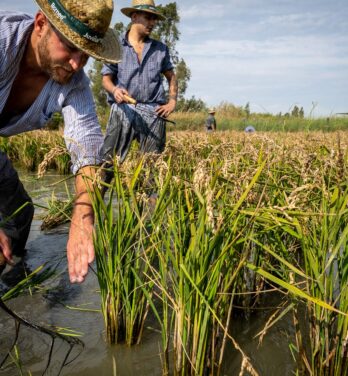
<point>273,54</point>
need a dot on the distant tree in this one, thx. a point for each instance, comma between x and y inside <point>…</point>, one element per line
<point>295,111</point>
<point>191,105</point>
<point>120,28</point>
<point>167,31</point>
<point>247,109</point>
<point>183,75</point>
<point>229,109</point>
<point>301,113</point>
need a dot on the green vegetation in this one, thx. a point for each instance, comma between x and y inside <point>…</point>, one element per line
<point>59,211</point>
<point>230,117</point>
<point>212,224</point>
<point>31,149</point>
<point>46,149</point>
<point>120,243</point>
<point>235,216</point>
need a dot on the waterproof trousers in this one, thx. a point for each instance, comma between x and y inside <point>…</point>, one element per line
<point>13,197</point>
<point>127,123</point>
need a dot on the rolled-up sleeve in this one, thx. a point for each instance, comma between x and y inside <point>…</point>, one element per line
<point>109,69</point>
<point>167,63</point>
<point>82,132</point>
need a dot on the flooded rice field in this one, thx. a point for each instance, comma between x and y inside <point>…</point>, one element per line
<point>76,309</point>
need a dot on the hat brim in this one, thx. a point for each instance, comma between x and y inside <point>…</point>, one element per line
<point>128,12</point>
<point>109,50</point>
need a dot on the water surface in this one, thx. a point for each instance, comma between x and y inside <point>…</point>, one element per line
<point>56,306</point>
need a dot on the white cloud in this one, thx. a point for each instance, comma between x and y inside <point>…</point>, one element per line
<point>200,12</point>
<point>272,53</point>
<point>315,50</point>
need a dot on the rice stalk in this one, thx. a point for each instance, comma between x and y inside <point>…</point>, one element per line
<point>120,245</point>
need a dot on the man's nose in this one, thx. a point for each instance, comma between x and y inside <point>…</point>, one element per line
<point>78,60</point>
<point>153,21</point>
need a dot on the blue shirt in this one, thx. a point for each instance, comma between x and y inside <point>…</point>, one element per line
<point>210,122</point>
<point>82,132</point>
<point>143,80</point>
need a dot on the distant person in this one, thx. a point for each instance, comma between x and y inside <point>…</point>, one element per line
<point>249,129</point>
<point>139,76</point>
<point>210,122</point>
<point>41,72</point>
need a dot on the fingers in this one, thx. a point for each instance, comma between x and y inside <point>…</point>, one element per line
<point>119,94</point>
<point>5,251</point>
<point>161,111</point>
<point>78,265</point>
<point>80,253</point>
<point>164,110</point>
<point>5,248</point>
<point>90,254</point>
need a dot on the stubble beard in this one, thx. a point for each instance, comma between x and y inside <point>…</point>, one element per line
<point>52,69</point>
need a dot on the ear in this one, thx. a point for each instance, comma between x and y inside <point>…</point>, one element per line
<point>133,16</point>
<point>40,22</point>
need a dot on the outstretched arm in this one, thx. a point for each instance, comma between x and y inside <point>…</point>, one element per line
<point>166,109</point>
<point>80,248</point>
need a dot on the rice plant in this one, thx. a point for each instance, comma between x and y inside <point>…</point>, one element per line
<point>233,215</point>
<point>59,211</point>
<point>120,246</point>
<point>316,274</point>
<point>40,147</point>
<point>199,263</point>
<point>325,251</point>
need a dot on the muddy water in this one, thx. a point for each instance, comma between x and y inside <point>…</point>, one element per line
<point>56,306</point>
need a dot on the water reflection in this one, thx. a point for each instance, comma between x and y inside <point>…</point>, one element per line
<point>61,304</point>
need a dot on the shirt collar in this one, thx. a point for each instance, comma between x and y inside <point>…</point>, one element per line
<point>125,42</point>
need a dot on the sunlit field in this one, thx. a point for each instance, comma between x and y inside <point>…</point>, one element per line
<point>219,221</point>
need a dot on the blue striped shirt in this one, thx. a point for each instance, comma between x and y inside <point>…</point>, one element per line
<point>143,80</point>
<point>82,132</point>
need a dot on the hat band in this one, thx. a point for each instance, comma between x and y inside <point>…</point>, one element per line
<point>146,7</point>
<point>76,25</point>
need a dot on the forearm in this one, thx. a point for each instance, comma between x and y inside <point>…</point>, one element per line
<point>84,185</point>
<point>173,89</point>
<point>108,84</point>
<point>116,91</point>
<point>166,109</point>
<point>80,249</point>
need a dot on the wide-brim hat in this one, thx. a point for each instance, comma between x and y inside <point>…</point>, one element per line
<point>211,111</point>
<point>147,6</point>
<point>85,23</point>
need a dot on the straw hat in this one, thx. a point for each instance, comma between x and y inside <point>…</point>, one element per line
<point>211,111</point>
<point>85,23</point>
<point>147,6</point>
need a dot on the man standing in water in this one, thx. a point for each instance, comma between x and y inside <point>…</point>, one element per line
<point>139,76</point>
<point>41,72</point>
